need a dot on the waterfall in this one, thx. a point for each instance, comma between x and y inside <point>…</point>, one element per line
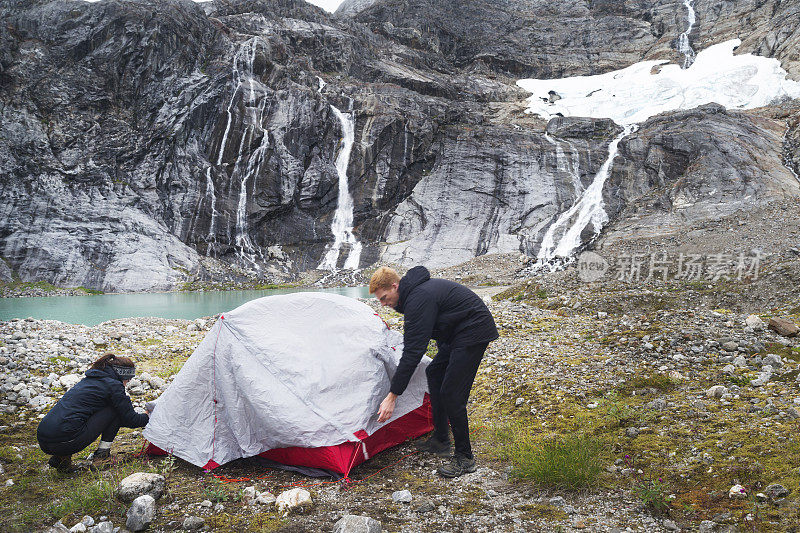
<point>587,210</point>
<point>342,226</point>
<point>683,41</point>
<point>250,92</point>
<point>212,199</point>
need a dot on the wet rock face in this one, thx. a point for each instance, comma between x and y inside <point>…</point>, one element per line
<point>693,166</point>
<point>141,137</point>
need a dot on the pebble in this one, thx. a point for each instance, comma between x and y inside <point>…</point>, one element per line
<point>293,499</point>
<point>193,522</point>
<point>737,492</point>
<point>357,524</point>
<point>717,391</point>
<point>402,496</point>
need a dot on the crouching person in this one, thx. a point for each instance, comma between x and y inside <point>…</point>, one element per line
<point>462,326</point>
<point>97,406</point>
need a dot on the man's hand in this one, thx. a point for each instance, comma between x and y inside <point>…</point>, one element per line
<point>387,407</point>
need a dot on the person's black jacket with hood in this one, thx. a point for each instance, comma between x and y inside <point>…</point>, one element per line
<point>100,388</point>
<point>438,309</point>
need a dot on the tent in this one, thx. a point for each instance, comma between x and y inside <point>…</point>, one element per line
<point>296,379</point>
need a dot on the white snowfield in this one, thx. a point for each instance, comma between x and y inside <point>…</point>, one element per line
<point>636,93</point>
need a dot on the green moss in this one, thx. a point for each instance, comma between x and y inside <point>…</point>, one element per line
<point>540,511</point>
<point>660,382</point>
<point>151,342</point>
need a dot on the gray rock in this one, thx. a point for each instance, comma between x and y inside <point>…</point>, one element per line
<point>193,522</point>
<point>772,360</point>
<point>357,524</point>
<point>104,526</point>
<point>80,527</point>
<point>141,513</point>
<point>402,496</point>
<point>755,322</point>
<point>669,525</point>
<point>659,404</point>
<point>425,507</point>
<point>88,521</point>
<point>557,501</point>
<point>141,483</point>
<point>716,391</point>
<point>730,346</point>
<point>707,526</point>
<point>632,432</point>
<point>762,379</point>
<point>775,491</point>
<point>58,527</point>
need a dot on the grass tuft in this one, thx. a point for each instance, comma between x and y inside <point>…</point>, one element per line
<point>563,461</point>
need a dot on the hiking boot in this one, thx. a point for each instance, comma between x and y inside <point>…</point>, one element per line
<point>458,466</point>
<point>434,446</point>
<point>100,454</point>
<point>62,463</point>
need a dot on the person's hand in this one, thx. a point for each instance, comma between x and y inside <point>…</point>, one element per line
<point>387,407</point>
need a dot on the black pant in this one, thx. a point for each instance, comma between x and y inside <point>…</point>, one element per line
<point>105,422</point>
<point>450,378</point>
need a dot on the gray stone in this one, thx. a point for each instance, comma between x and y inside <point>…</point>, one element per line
<point>707,526</point>
<point>755,322</point>
<point>632,432</point>
<point>772,360</point>
<point>716,391</point>
<point>193,522</point>
<point>265,498</point>
<point>425,507</point>
<point>357,524</point>
<point>402,496</point>
<point>104,526</point>
<point>659,404</point>
<point>58,527</point>
<point>141,483</point>
<point>730,346</point>
<point>141,513</point>
<point>669,525</point>
<point>775,491</point>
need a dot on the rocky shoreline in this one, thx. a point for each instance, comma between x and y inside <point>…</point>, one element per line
<point>683,390</point>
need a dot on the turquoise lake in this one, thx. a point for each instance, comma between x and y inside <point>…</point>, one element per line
<point>91,310</point>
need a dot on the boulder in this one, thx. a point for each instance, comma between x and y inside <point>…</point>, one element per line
<point>357,524</point>
<point>784,327</point>
<point>139,484</point>
<point>141,513</point>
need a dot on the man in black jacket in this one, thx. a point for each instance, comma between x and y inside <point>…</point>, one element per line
<point>462,326</point>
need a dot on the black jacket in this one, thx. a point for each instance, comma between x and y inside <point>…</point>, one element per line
<point>99,389</point>
<point>438,309</point>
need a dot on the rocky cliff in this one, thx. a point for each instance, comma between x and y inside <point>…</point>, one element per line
<point>147,142</point>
